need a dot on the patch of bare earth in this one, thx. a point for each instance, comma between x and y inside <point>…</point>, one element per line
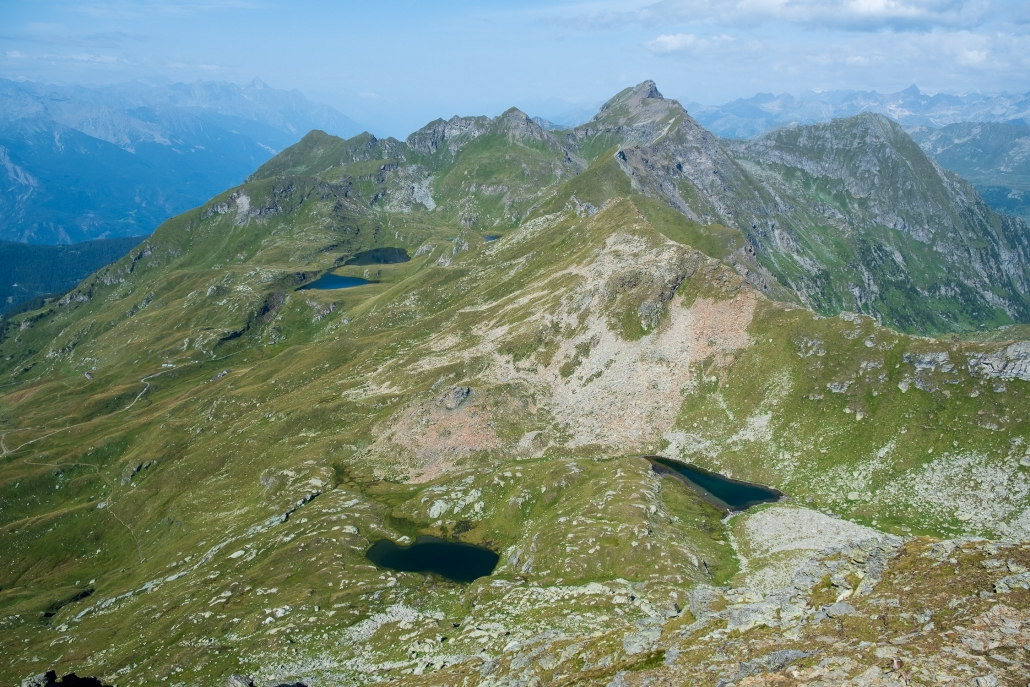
<point>427,439</point>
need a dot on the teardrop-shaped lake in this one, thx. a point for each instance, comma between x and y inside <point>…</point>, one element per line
<point>455,561</point>
<point>722,492</point>
<point>331,281</point>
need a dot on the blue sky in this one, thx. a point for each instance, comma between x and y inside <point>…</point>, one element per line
<point>395,65</point>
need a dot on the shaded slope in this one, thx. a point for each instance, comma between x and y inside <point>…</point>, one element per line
<point>994,157</point>
<point>887,231</point>
<point>31,272</point>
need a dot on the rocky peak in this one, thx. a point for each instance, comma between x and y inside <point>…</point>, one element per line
<point>872,157</point>
<point>442,133</point>
<point>648,89</point>
<point>641,107</point>
<point>515,116</point>
<point>633,97</point>
<point>520,127</point>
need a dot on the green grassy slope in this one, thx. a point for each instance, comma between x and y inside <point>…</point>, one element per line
<point>220,522</point>
<point>200,503</point>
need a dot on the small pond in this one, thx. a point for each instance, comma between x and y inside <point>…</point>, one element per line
<point>455,561</point>
<point>491,237</point>
<point>379,256</point>
<point>722,492</point>
<point>331,281</point>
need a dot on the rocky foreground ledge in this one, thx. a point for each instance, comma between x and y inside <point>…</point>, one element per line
<point>877,611</point>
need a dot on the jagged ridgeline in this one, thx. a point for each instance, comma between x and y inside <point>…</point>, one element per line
<point>197,452</point>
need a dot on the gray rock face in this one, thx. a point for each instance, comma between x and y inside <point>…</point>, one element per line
<point>901,190</point>
<point>130,471</point>
<point>619,680</point>
<point>239,681</point>
<point>930,361</point>
<point>644,638</point>
<point>771,662</point>
<point>839,609</point>
<point>743,618</point>
<point>636,115</point>
<point>454,397</point>
<point>1006,363</point>
<point>452,134</point>
<point>1012,582</point>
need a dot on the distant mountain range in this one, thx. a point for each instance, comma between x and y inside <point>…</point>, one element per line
<point>749,117</point>
<point>80,163</point>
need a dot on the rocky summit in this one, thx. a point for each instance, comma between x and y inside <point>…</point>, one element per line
<point>201,441</point>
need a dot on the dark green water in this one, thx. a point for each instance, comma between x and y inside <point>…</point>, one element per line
<point>455,561</point>
<point>722,492</point>
<point>379,256</point>
<point>334,281</point>
<point>491,237</point>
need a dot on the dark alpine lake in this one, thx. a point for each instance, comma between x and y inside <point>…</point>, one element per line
<point>379,256</point>
<point>491,237</point>
<point>334,281</point>
<point>455,561</point>
<point>722,492</point>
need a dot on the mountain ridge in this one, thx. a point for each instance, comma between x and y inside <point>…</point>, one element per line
<point>803,224</point>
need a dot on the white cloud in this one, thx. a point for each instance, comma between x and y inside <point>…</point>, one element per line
<point>90,57</point>
<point>972,57</point>
<point>666,44</point>
<point>853,15</point>
<point>682,42</point>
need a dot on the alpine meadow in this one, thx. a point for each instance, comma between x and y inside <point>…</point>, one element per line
<point>623,403</point>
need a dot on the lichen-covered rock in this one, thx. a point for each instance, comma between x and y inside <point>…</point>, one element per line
<point>454,397</point>
<point>1012,362</point>
<point>644,638</point>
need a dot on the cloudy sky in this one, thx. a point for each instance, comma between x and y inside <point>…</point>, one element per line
<point>394,65</point>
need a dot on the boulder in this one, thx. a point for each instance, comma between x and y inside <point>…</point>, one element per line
<point>770,663</point>
<point>838,609</point>
<point>746,616</point>
<point>454,397</point>
<point>643,639</point>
